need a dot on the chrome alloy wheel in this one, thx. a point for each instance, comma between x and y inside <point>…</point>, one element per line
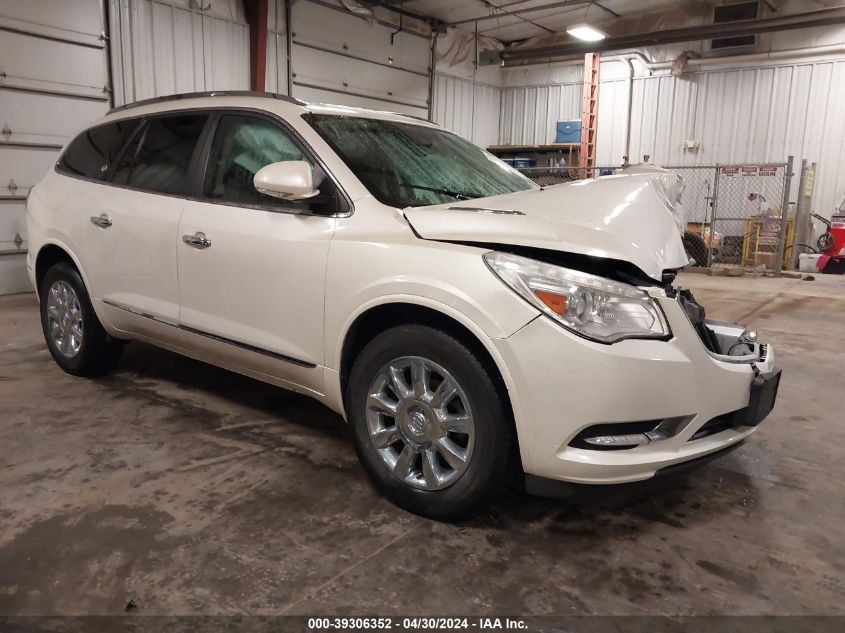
<point>420,422</point>
<point>64,317</point>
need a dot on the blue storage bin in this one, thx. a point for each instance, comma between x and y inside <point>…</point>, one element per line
<point>568,132</point>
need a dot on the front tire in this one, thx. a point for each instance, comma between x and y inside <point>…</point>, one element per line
<point>696,248</point>
<point>75,337</point>
<point>430,425</point>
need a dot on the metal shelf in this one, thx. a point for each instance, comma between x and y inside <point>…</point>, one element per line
<point>551,147</point>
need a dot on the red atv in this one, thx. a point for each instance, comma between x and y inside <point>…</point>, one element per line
<point>831,244</point>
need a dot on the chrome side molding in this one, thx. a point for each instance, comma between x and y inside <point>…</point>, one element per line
<point>248,347</point>
<point>215,337</point>
<point>140,313</point>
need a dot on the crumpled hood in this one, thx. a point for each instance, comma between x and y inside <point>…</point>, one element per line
<point>625,217</point>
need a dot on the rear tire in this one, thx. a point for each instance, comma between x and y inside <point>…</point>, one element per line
<point>74,335</point>
<point>461,437</point>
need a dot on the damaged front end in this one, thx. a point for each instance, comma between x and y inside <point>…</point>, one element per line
<point>628,221</point>
<point>725,343</point>
<point>729,342</point>
<point>599,259</point>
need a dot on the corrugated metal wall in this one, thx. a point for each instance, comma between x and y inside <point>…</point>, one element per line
<point>162,47</point>
<point>529,113</point>
<point>755,114</point>
<point>276,77</point>
<point>54,82</point>
<point>738,115</point>
<point>468,108</point>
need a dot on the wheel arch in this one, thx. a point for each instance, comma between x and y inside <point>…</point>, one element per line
<point>405,311</point>
<point>49,254</point>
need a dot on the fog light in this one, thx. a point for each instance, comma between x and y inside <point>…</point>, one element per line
<point>634,439</point>
<point>615,436</point>
<point>631,439</point>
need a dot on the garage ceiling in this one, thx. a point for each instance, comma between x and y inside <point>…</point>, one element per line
<point>513,20</point>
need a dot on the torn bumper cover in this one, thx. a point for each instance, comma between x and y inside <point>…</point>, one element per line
<point>665,402</point>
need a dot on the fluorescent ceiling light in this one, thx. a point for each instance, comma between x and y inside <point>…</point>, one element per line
<point>585,32</point>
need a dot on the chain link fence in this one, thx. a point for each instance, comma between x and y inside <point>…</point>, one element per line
<point>731,213</point>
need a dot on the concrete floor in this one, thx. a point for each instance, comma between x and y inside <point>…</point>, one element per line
<point>193,490</point>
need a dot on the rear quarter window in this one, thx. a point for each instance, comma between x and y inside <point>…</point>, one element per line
<point>92,152</point>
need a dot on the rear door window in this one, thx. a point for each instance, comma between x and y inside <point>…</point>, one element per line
<point>159,156</point>
<point>92,152</point>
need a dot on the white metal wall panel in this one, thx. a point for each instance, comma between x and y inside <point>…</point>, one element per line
<point>67,19</point>
<point>339,74</point>
<point>341,31</point>
<point>44,119</point>
<point>32,162</point>
<point>161,48</point>
<point>54,83</point>
<point>488,106</point>
<point>276,75</point>
<point>316,95</point>
<point>738,115</point>
<point>611,122</point>
<point>35,62</point>
<point>754,114</point>
<point>529,113</point>
<point>454,104</point>
<point>467,108</point>
<point>347,60</point>
<point>11,214</point>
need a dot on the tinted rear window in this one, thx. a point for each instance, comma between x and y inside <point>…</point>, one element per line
<point>91,153</point>
<point>159,156</point>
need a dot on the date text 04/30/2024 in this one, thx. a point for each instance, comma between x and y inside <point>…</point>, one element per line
<point>416,623</point>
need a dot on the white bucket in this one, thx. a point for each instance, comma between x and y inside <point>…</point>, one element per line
<point>807,262</point>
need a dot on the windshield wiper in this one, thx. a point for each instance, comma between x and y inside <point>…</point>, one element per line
<point>458,195</point>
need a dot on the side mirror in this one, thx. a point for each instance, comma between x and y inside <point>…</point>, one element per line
<point>288,179</point>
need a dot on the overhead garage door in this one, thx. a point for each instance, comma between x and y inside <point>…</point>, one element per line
<point>361,67</point>
<point>52,81</point>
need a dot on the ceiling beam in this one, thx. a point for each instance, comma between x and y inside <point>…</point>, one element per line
<point>504,11</point>
<point>809,19</point>
<point>517,16</point>
<point>399,9</point>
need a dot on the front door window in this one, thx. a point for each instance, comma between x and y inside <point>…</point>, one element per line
<point>243,145</point>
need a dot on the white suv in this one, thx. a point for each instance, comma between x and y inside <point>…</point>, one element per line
<point>471,326</point>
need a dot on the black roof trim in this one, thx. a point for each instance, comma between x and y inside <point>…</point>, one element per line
<point>213,93</point>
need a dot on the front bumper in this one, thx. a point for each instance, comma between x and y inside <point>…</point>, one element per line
<point>564,384</point>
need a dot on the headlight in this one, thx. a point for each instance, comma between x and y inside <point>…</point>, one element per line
<point>594,307</point>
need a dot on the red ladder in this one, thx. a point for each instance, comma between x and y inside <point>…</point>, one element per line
<point>589,112</point>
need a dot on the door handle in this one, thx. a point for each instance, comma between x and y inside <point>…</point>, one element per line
<point>101,220</point>
<point>197,240</point>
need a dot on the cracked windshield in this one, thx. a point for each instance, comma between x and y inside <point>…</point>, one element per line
<point>408,165</point>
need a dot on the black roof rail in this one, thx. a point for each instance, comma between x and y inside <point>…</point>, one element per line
<point>212,93</point>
